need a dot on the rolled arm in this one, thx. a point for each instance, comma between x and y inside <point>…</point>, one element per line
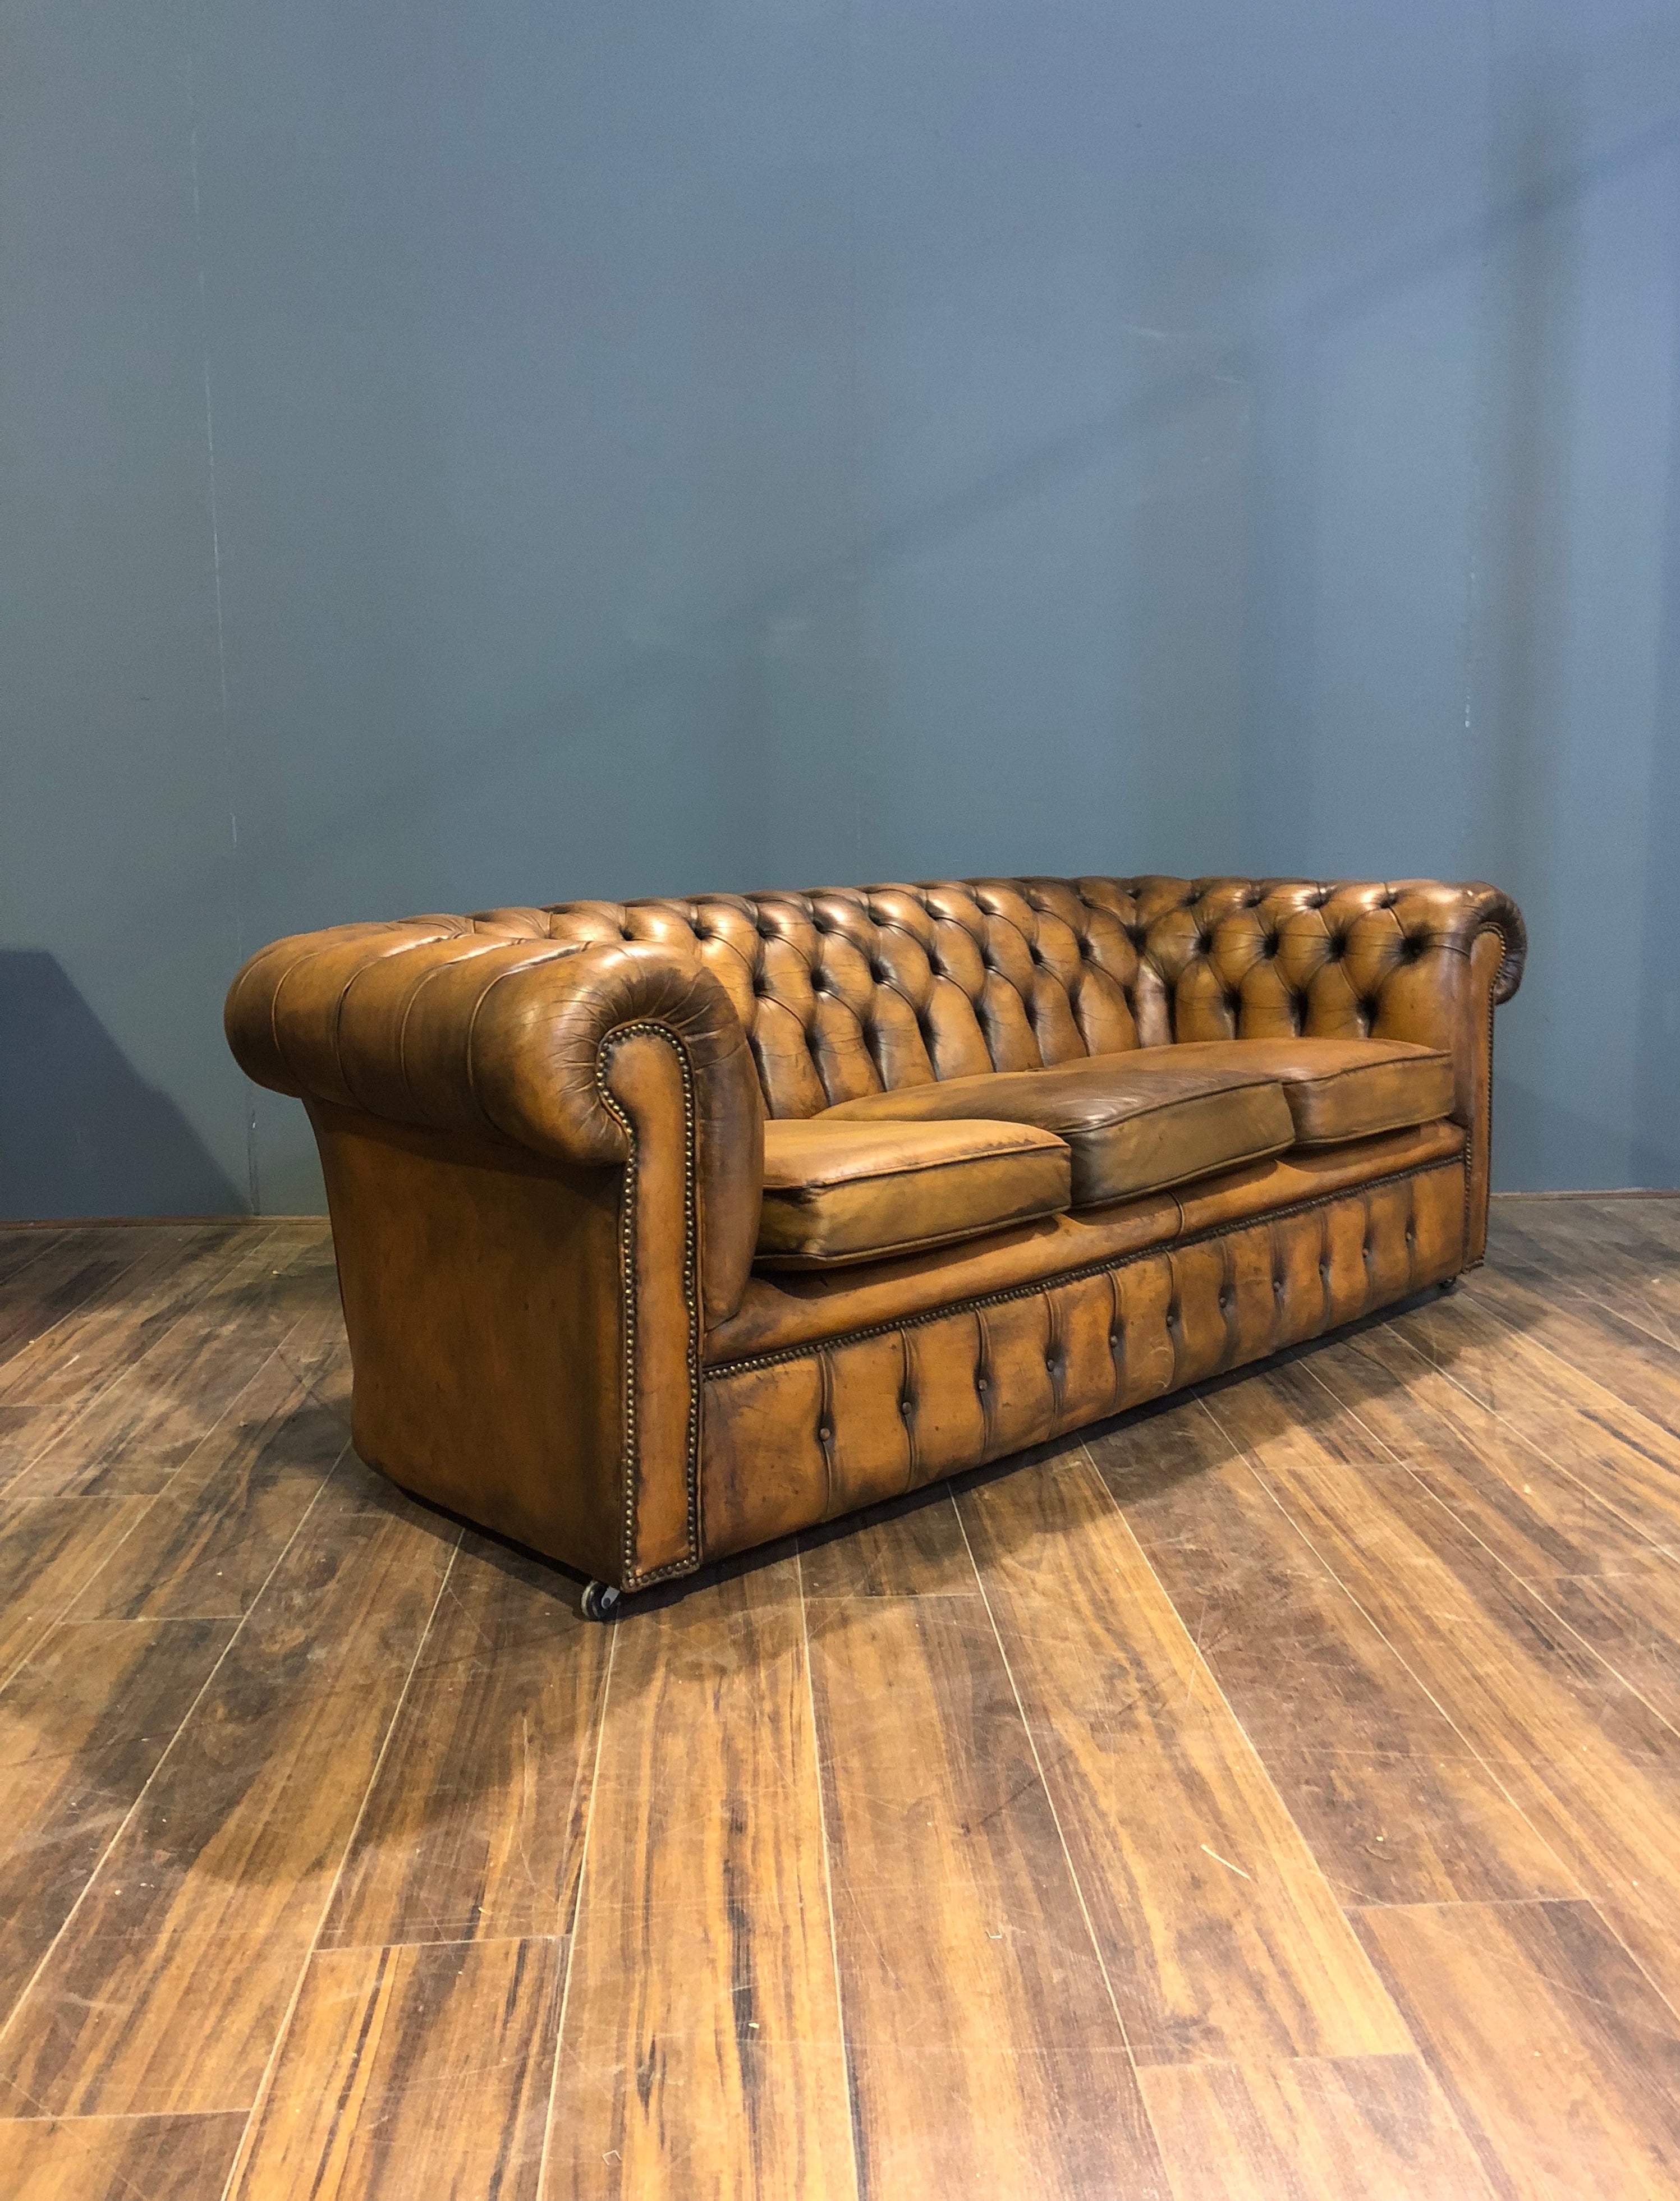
<point>434,1025</point>
<point>1417,960</point>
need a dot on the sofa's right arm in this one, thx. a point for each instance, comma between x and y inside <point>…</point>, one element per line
<point>544,1164</point>
<point>430,1024</point>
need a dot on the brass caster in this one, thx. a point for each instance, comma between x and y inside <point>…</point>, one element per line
<point>601,1600</point>
<point>1450,1285</point>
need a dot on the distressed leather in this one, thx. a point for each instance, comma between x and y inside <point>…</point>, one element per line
<point>786,1308</point>
<point>837,1193</point>
<point>543,1132</point>
<point>1136,1123</point>
<point>1339,1088</point>
<point>812,1433</point>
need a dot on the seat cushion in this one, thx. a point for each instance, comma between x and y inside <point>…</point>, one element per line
<point>1134,1122</point>
<point>835,1193</point>
<point>1339,1088</point>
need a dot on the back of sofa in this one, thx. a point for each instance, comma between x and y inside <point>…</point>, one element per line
<point>850,990</point>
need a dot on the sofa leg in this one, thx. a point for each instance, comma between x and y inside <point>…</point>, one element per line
<point>1451,1284</point>
<point>601,1600</point>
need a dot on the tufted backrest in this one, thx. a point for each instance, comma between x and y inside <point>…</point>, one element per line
<point>850,990</point>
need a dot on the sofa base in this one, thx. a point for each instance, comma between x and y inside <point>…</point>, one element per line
<point>803,1435</point>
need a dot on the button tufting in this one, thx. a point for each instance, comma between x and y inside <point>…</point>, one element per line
<point>824,1433</point>
<point>982,1383</point>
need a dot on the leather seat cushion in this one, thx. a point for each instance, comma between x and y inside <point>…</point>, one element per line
<point>1340,1088</point>
<point>835,1193</point>
<point>1136,1122</point>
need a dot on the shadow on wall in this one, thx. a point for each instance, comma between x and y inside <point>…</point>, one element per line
<point>80,1132</point>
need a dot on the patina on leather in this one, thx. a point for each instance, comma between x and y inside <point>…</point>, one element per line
<point>542,1136</point>
<point>1134,1122</point>
<point>837,1193</point>
<point>1338,1088</point>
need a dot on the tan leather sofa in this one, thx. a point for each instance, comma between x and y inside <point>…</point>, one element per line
<point>666,1227</point>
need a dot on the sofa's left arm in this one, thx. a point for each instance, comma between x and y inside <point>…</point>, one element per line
<point>544,1164</point>
<point>518,1043</point>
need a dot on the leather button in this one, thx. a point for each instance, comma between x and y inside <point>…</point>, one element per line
<point>1114,1341</point>
<point>1225,1302</point>
<point>824,1433</point>
<point>982,1383</point>
<point>907,1407</point>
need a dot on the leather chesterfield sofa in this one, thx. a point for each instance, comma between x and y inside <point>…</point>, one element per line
<point>667,1228</point>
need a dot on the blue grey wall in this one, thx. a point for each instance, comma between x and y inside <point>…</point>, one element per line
<point>470,450</point>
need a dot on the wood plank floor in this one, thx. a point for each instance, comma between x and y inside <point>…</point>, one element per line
<point>1274,1793</point>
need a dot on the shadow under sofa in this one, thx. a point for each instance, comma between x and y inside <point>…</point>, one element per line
<point>664,1228</point>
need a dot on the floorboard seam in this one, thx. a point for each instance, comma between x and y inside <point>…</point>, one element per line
<point>1490,1766</point>
<point>236,2169</point>
<point>133,1368</point>
<point>1579,1375</point>
<point>575,1921</point>
<point>1055,1821</point>
<point>1540,1345</point>
<point>846,2078</point>
<point>163,1758</point>
<point>1523,1583</point>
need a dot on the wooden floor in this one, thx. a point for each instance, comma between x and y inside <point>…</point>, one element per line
<point>1277,1794</point>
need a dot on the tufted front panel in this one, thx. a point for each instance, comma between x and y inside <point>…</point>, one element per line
<point>852,990</point>
<point>806,1434</point>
